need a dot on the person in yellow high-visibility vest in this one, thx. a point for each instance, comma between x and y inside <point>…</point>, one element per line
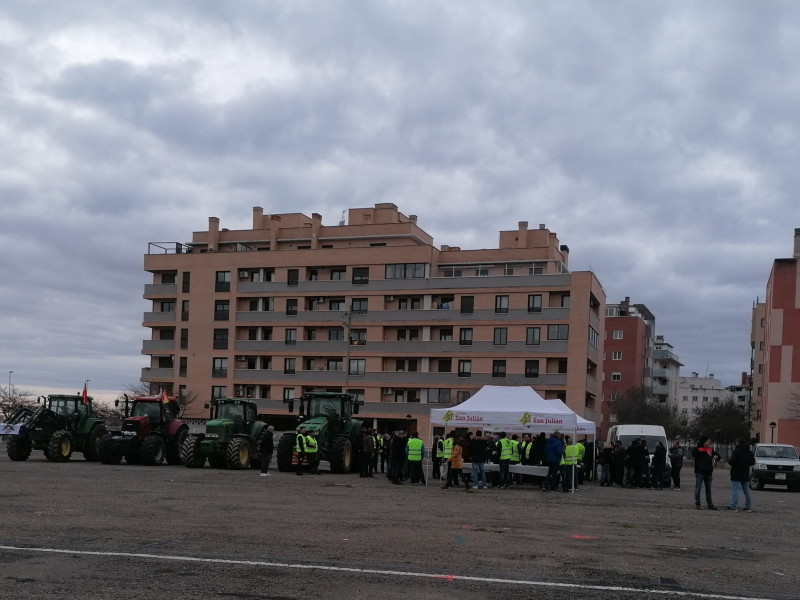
<point>505,446</point>
<point>312,448</point>
<point>300,449</point>
<point>568,463</point>
<point>447,453</point>
<point>415,452</point>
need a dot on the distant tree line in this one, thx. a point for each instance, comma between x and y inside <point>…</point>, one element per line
<point>720,420</point>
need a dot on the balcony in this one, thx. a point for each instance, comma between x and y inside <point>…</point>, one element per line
<point>159,317</point>
<point>161,289</point>
<point>149,346</point>
<point>151,374</point>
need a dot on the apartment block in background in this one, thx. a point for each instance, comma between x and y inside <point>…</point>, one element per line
<point>628,353</point>
<point>778,405</point>
<point>372,306</point>
<point>666,371</point>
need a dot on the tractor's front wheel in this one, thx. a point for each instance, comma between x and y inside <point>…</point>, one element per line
<point>341,455</point>
<point>18,447</point>
<point>109,455</point>
<point>153,450</point>
<point>238,454</point>
<point>285,451</point>
<point>60,446</point>
<point>191,455</point>
<point>92,443</point>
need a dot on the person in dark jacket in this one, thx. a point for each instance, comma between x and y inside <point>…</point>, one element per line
<point>397,455</point>
<point>605,462</point>
<point>704,457</point>
<point>618,458</point>
<point>740,461</point>
<point>676,460</point>
<point>553,453</point>
<point>265,449</point>
<point>658,464</point>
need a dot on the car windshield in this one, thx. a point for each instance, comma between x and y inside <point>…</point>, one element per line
<point>776,452</point>
<point>651,440</point>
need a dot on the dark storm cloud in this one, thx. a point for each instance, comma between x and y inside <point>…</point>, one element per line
<point>656,139</point>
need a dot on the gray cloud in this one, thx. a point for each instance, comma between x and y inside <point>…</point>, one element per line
<point>657,140</point>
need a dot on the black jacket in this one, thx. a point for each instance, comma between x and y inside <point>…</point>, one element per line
<point>267,442</point>
<point>660,456</point>
<point>478,450</point>
<point>740,461</point>
<point>704,459</point>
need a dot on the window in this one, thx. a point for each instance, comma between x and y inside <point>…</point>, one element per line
<point>182,369</point>
<point>465,368</point>
<point>538,268</point>
<point>594,337</point>
<point>289,365</point>
<point>617,334</point>
<point>450,272</point>
<point>562,365</point>
<point>334,364</point>
<point>168,278</point>
<point>498,368</point>
<point>223,281</point>
<point>168,306</point>
<point>186,286</point>
<point>291,306</point>
<point>184,310</point>
<point>501,304</point>
<point>444,365</point>
<point>335,335</point>
<point>500,336</point>
<point>288,393</point>
<point>221,310</point>
<point>312,275</point>
<point>465,336</point>
<point>616,396</point>
<point>358,366</point>
<point>565,301</point>
<point>337,274</point>
<point>616,355</point>
<point>481,272</point>
<point>558,332</point>
<point>616,376</point>
<point>467,304</point>
<point>219,367</point>
<point>292,276</point>
<point>219,391</point>
<point>220,339</point>
<point>290,336</point>
<point>336,304</point>
<point>462,396</point>
<point>533,336</point>
<point>311,333</point>
<point>358,337</point>
<point>405,271</point>
<point>359,306</point>
<point>360,275</point>
<point>184,339</point>
<point>535,303</point>
<point>446,334</point>
<point>694,398</point>
<point>531,368</point>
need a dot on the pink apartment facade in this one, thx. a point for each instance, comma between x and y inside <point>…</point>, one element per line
<point>372,306</point>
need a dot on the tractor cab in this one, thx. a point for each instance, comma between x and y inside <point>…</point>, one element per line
<point>69,407</point>
<point>241,412</point>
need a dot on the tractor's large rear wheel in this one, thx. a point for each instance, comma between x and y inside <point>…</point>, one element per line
<point>60,446</point>
<point>18,447</point>
<point>191,455</point>
<point>93,441</point>
<point>109,455</point>
<point>153,450</point>
<point>238,454</point>
<point>285,450</point>
<point>175,446</point>
<point>341,455</point>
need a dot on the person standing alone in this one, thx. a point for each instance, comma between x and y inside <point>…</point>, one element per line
<point>265,450</point>
<point>676,460</point>
<point>704,457</point>
<point>740,461</point>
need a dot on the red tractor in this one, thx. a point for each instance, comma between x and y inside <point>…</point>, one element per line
<point>151,432</point>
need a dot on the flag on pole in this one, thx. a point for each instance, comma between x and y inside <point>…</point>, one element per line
<point>85,394</point>
<point>164,397</point>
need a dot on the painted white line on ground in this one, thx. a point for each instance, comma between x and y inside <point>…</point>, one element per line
<point>451,577</point>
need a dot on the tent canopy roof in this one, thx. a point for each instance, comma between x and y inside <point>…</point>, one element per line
<point>507,408</point>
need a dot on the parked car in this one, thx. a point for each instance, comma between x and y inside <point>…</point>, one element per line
<point>776,464</point>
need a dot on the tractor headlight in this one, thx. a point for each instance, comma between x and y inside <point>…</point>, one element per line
<point>212,436</point>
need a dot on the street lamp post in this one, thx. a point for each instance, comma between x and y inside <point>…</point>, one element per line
<point>9,385</point>
<point>772,426</point>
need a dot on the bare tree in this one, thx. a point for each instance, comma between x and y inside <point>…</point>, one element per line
<point>639,405</point>
<point>11,397</point>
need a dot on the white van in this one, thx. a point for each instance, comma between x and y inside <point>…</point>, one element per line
<point>652,433</point>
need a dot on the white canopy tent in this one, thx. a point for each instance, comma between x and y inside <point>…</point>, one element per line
<point>507,408</point>
<point>584,425</point>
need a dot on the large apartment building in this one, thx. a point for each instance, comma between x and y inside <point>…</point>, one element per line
<point>630,335</point>
<point>775,340</point>
<point>666,370</point>
<point>372,306</point>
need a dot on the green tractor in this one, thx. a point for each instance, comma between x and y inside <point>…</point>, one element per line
<point>62,424</point>
<point>338,434</point>
<point>231,438</point>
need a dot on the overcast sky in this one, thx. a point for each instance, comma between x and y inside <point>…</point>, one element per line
<point>659,140</point>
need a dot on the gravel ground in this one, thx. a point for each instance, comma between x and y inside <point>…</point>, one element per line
<point>85,528</point>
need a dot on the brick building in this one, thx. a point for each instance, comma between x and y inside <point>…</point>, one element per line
<point>370,305</point>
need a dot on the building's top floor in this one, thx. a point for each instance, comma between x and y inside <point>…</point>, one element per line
<point>626,309</point>
<point>696,382</point>
<point>529,251</point>
<point>663,352</point>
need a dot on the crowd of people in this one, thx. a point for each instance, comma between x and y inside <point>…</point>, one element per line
<point>399,456</point>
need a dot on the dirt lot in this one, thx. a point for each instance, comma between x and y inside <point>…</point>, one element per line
<point>85,530</point>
